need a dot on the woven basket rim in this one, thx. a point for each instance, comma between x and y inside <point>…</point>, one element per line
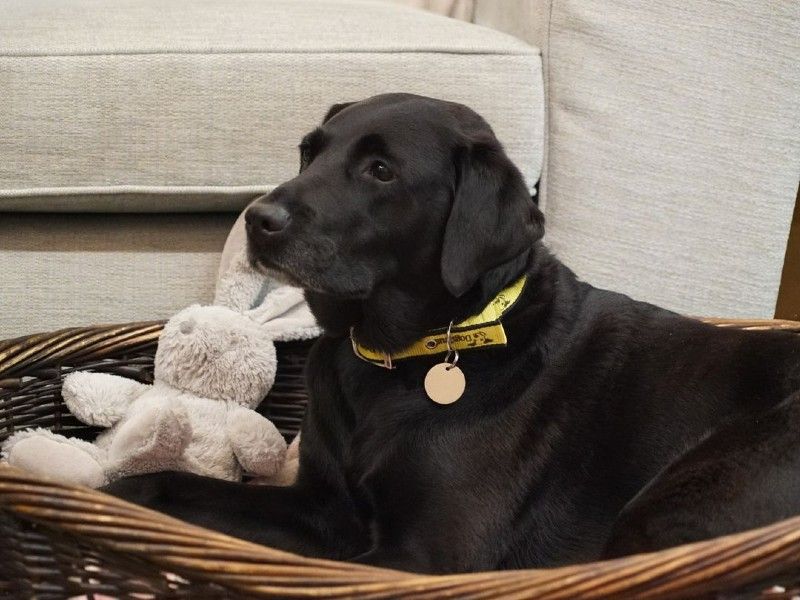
<point>192,551</point>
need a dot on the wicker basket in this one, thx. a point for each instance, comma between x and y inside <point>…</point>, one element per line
<point>58,541</point>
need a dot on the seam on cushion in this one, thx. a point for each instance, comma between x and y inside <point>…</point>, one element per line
<point>198,190</point>
<point>138,189</point>
<point>134,189</point>
<point>532,52</point>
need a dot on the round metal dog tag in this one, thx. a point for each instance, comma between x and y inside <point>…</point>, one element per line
<point>445,383</point>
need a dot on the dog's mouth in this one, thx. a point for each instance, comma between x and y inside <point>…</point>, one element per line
<point>335,278</point>
<point>268,268</point>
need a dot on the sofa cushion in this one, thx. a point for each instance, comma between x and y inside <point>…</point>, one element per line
<point>188,105</point>
<point>71,270</point>
<point>674,144</point>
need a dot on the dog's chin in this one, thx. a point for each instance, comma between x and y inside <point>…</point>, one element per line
<point>310,282</point>
<point>342,294</point>
<point>275,273</point>
<point>335,289</point>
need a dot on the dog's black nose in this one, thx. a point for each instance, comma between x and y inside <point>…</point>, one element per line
<point>267,218</point>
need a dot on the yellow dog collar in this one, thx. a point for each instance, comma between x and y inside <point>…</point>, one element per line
<point>478,331</point>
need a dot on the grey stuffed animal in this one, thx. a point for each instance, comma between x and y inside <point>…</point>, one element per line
<point>213,366</point>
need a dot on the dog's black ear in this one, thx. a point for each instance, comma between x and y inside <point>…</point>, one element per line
<point>335,110</point>
<point>493,218</point>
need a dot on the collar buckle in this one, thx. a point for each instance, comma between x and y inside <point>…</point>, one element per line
<point>387,358</point>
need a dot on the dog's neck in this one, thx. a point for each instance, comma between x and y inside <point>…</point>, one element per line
<point>395,316</point>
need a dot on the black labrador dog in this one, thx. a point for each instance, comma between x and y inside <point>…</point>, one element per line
<point>601,426</point>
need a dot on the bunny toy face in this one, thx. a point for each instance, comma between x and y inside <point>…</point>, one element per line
<point>215,352</point>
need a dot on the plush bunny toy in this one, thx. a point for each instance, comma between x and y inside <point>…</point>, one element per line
<point>213,366</point>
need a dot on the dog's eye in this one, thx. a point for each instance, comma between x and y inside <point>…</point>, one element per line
<point>381,171</point>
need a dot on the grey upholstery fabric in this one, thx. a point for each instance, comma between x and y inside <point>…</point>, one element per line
<point>149,104</point>
<point>673,143</point>
<point>83,269</point>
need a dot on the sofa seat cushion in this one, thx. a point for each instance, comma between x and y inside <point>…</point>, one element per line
<point>73,270</point>
<point>190,105</point>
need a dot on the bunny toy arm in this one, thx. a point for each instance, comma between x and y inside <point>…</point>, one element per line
<point>256,442</point>
<point>100,398</point>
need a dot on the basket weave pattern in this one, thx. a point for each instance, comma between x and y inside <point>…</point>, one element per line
<point>58,541</point>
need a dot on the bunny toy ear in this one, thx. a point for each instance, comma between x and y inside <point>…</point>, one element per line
<point>241,287</point>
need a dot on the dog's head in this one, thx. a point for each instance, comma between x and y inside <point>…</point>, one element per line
<point>396,188</point>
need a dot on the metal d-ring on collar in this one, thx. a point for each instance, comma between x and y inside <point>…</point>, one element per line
<point>450,350</point>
